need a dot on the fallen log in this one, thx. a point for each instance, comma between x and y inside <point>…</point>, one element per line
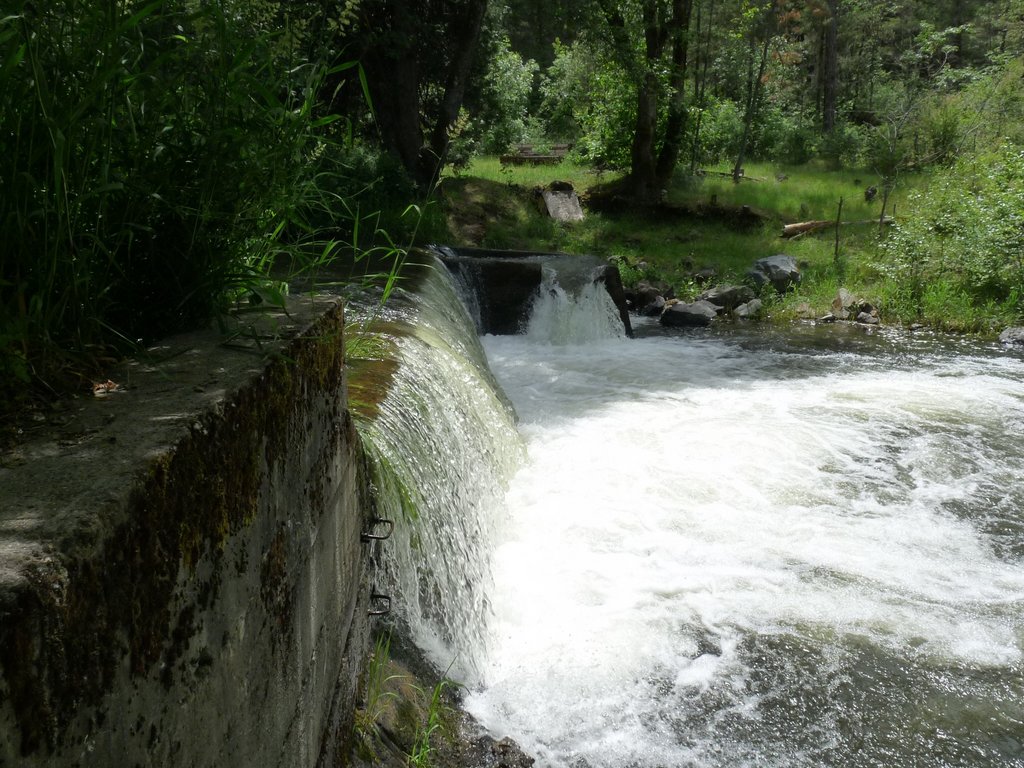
<point>803,227</point>
<point>727,175</point>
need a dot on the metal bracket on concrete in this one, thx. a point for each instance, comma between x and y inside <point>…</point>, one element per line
<point>370,535</point>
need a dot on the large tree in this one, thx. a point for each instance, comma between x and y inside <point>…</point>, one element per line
<point>650,39</point>
<point>417,56</point>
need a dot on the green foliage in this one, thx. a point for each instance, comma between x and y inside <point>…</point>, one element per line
<point>376,696</point>
<point>505,99</point>
<point>721,126</point>
<point>587,99</point>
<point>963,241</point>
<point>421,755</point>
<point>146,147</point>
<point>159,157</point>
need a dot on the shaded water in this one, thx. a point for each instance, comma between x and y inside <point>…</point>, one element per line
<point>762,548</point>
<point>758,547</point>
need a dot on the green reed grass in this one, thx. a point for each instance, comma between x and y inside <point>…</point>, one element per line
<point>158,159</point>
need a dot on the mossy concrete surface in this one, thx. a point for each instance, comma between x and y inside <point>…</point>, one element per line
<point>182,581</point>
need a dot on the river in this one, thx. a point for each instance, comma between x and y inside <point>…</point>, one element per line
<point>759,547</point>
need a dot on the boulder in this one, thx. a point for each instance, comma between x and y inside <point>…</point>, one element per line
<point>781,271</point>
<point>642,296</point>
<point>612,279</point>
<point>705,276</point>
<point>728,296</point>
<point>561,203</point>
<point>866,318</point>
<point>1012,335</point>
<point>694,315</point>
<point>654,307</point>
<point>844,300</point>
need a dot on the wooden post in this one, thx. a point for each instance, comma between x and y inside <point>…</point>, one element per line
<point>835,257</point>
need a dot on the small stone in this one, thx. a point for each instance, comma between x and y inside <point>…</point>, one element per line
<point>695,315</point>
<point>749,310</point>
<point>1012,335</point>
<point>866,318</point>
<point>827,318</point>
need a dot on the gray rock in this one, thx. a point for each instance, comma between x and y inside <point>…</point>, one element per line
<point>781,271</point>
<point>844,300</point>
<point>866,318</point>
<point>643,296</point>
<point>728,296</point>
<point>1012,335</point>
<point>706,275</point>
<point>748,310</point>
<point>562,206</point>
<point>695,315</point>
<point>654,307</point>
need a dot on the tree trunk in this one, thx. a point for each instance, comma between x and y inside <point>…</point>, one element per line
<point>753,97</point>
<point>395,74</point>
<point>700,86</point>
<point>643,175</point>
<point>642,167</point>
<point>830,69</point>
<point>465,33</point>
<point>676,122</point>
<point>392,74</point>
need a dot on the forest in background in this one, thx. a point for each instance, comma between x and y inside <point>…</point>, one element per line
<point>164,161</point>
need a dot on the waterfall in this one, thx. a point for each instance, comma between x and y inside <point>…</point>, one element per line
<point>443,445</point>
<point>572,305</point>
<point>788,548</point>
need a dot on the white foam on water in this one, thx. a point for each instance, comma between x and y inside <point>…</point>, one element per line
<point>689,502</point>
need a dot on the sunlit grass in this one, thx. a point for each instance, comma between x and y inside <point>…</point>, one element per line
<point>673,247</point>
<point>490,168</point>
<point>796,193</point>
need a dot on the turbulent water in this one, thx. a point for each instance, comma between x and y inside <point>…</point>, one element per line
<point>761,548</point>
<point>745,548</point>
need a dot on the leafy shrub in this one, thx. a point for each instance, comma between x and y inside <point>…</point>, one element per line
<point>505,99</point>
<point>966,231</point>
<point>153,152</point>
<point>721,127</point>
<point>585,98</point>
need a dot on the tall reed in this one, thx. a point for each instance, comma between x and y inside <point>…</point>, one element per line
<point>156,158</point>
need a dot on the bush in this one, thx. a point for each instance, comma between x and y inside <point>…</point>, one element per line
<point>152,151</point>
<point>505,99</point>
<point>965,233</point>
<point>587,99</point>
<point>721,128</point>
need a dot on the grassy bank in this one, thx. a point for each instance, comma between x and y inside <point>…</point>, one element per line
<point>494,206</point>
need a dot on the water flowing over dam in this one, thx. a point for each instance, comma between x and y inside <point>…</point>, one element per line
<point>748,547</point>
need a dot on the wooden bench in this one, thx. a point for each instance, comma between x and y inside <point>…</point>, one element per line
<point>526,154</point>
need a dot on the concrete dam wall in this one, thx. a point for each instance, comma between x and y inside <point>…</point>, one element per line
<point>182,577</point>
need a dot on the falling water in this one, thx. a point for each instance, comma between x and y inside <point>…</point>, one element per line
<point>572,305</point>
<point>758,547</point>
<point>443,445</point>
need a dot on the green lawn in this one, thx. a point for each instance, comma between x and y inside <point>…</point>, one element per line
<point>493,206</point>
